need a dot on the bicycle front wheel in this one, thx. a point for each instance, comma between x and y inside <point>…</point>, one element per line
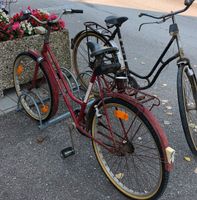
<point>81,56</point>
<point>129,150</point>
<point>33,85</point>
<point>187,98</point>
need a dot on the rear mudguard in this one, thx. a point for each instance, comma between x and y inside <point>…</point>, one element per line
<point>150,117</point>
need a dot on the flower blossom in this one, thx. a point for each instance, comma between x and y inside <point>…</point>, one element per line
<point>16,26</point>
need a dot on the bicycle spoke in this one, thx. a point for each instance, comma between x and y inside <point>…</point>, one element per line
<point>143,146</point>
<point>144,160</point>
<point>150,176</point>
<point>104,126</point>
<point>137,175</point>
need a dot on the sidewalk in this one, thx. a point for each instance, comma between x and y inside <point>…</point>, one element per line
<point>8,103</point>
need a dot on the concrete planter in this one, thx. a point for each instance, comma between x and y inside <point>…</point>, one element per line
<point>10,49</point>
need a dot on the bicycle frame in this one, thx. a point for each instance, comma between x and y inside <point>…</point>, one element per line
<point>53,67</point>
<point>159,65</point>
<point>62,84</point>
<point>174,31</point>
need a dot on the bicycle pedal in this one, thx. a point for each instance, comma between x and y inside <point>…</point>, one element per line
<point>69,151</point>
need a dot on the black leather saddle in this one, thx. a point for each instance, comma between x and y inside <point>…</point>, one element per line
<point>99,52</point>
<point>114,20</point>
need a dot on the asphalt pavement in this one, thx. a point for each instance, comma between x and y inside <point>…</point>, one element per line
<point>31,169</point>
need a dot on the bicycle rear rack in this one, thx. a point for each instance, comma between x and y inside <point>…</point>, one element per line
<point>148,101</point>
<point>93,26</point>
<point>121,86</point>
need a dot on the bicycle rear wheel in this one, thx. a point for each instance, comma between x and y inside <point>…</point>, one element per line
<point>134,160</point>
<point>38,96</point>
<point>187,98</point>
<point>81,56</point>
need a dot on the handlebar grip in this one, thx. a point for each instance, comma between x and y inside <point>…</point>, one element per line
<point>188,2</point>
<point>76,11</point>
<point>141,14</point>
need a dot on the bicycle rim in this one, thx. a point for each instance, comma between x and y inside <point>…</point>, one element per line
<point>187,105</point>
<point>33,87</point>
<point>135,166</point>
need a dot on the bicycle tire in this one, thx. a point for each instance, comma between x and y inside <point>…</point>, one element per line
<point>80,56</point>
<point>41,90</point>
<point>136,119</point>
<point>185,101</point>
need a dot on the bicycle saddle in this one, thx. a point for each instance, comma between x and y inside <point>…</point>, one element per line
<point>114,20</point>
<point>97,50</point>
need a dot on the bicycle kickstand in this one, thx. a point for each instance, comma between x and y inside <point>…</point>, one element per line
<point>68,151</point>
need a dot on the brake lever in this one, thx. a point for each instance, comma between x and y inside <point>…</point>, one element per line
<point>140,27</point>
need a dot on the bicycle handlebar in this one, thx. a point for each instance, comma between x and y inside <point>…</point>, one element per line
<point>27,14</point>
<point>188,3</point>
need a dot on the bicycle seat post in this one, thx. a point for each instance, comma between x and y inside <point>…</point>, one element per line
<point>122,47</point>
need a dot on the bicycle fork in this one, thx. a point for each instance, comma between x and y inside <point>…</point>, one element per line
<point>191,75</point>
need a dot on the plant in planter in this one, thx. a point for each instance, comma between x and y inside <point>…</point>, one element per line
<point>13,27</point>
<point>17,36</point>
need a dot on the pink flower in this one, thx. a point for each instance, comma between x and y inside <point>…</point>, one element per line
<point>29,8</point>
<point>14,30</point>
<point>16,26</point>
<point>52,16</point>
<point>61,24</point>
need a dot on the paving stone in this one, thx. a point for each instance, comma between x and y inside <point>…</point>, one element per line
<point>1,113</point>
<point>10,109</point>
<point>6,103</point>
<point>12,95</point>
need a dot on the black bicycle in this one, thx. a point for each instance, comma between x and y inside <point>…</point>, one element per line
<point>186,79</point>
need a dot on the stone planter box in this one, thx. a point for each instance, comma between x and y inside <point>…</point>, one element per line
<point>10,49</point>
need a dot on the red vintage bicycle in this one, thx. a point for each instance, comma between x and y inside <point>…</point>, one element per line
<point>129,144</point>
